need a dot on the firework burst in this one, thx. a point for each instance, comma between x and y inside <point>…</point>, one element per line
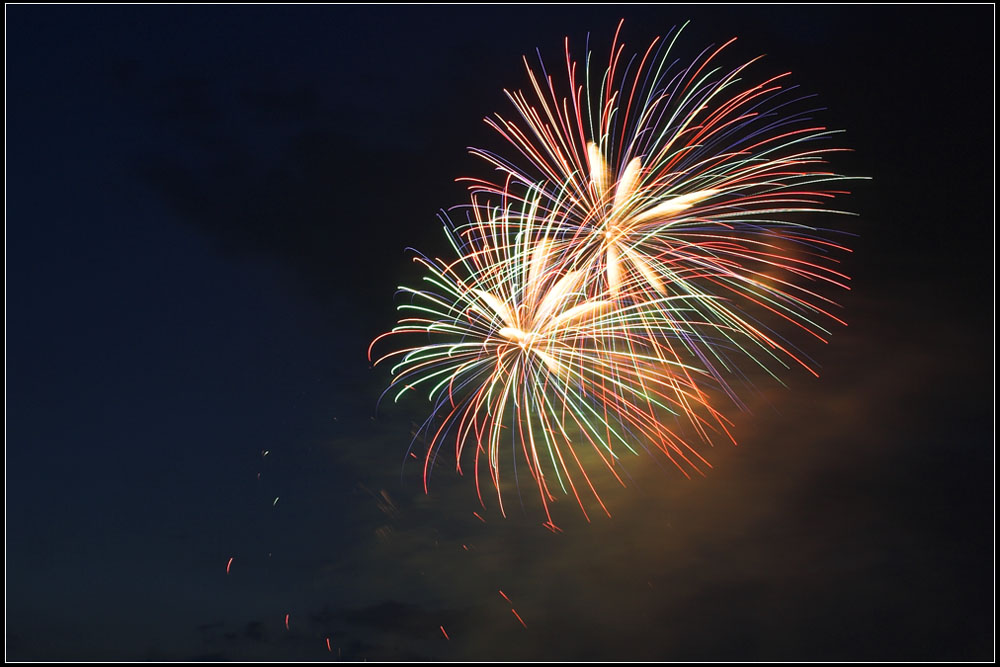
<point>671,180</point>
<point>514,352</point>
<point>649,235</point>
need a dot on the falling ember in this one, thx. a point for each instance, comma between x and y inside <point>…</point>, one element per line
<point>444,633</point>
<point>286,621</point>
<point>229,564</point>
<point>476,514</point>
<point>505,597</point>
<point>328,647</point>
<point>520,620</point>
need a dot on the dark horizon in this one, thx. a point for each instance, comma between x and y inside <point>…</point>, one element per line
<point>207,216</point>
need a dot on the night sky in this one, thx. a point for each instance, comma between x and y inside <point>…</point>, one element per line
<point>207,217</point>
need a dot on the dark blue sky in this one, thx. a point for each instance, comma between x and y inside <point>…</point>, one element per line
<point>207,210</point>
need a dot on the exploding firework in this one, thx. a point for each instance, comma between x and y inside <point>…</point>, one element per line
<point>649,236</point>
<point>672,180</point>
<point>519,355</point>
